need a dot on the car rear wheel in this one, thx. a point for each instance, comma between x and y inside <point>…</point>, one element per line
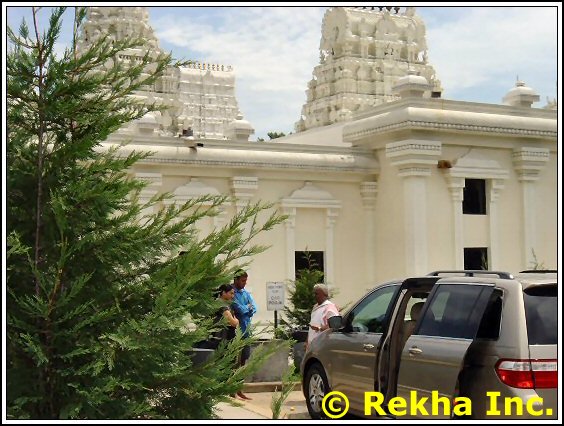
<point>317,387</point>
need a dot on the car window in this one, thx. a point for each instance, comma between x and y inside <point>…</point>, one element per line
<point>491,321</point>
<point>370,314</point>
<point>541,311</point>
<point>439,305</point>
<point>455,306</point>
<point>412,301</point>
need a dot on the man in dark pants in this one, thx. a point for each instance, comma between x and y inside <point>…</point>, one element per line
<point>244,307</point>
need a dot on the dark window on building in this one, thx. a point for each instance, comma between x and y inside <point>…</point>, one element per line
<point>308,260</point>
<point>476,258</point>
<point>474,197</point>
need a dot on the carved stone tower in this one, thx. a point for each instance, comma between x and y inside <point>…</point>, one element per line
<point>200,96</point>
<point>118,23</point>
<point>363,52</point>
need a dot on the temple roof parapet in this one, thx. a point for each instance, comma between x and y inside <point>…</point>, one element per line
<point>250,155</point>
<point>451,116</point>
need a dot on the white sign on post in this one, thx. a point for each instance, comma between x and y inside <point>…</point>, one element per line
<point>275,296</point>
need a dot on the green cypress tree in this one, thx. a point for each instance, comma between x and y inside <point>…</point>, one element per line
<point>101,317</point>
<point>302,299</point>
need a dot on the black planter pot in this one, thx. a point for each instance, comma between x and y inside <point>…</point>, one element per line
<point>200,355</point>
<point>298,351</point>
<point>300,334</point>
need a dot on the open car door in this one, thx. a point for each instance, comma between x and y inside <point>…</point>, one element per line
<point>433,355</point>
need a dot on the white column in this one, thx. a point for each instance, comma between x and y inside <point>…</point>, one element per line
<point>528,163</point>
<point>218,222</point>
<point>154,181</point>
<point>290,225</point>
<point>529,225</point>
<point>415,219</point>
<point>221,218</point>
<point>330,220</point>
<point>456,188</point>
<point>496,186</point>
<point>243,189</point>
<point>415,158</point>
<point>368,192</point>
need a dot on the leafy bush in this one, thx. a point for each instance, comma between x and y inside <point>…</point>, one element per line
<point>301,298</point>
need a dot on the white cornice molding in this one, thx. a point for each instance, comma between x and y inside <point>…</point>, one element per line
<point>345,160</point>
<point>529,162</point>
<point>290,222</point>
<point>497,185</point>
<point>456,187</point>
<point>153,180</point>
<point>243,188</point>
<point>310,196</point>
<point>442,104</point>
<point>157,142</point>
<point>192,190</point>
<point>414,157</point>
<point>474,165</point>
<point>429,125</point>
<point>368,193</point>
<point>501,121</point>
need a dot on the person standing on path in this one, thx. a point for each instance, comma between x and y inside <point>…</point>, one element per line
<point>244,307</point>
<point>224,315</point>
<point>321,312</point>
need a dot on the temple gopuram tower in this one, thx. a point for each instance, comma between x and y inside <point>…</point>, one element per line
<point>200,96</point>
<point>363,52</point>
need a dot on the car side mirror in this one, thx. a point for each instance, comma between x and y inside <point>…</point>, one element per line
<point>335,323</point>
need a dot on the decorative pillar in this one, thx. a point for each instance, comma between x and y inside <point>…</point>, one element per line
<point>528,163</point>
<point>221,218</point>
<point>330,220</point>
<point>154,181</point>
<point>290,225</point>
<point>456,189</point>
<point>368,192</point>
<point>414,160</point>
<point>496,186</point>
<point>244,189</point>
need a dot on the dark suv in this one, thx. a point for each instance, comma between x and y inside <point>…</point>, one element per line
<point>484,339</point>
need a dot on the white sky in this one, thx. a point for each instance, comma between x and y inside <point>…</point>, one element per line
<point>477,52</point>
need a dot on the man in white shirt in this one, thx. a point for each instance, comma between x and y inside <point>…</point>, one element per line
<point>321,312</point>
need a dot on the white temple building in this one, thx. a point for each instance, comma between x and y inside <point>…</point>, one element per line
<point>385,177</point>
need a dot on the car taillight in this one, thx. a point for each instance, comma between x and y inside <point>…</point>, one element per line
<point>545,373</point>
<point>528,373</point>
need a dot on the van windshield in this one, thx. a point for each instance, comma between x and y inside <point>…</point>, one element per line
<point>541,311</point>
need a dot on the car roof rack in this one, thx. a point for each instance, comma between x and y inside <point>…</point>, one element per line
<point>539,271</point>
<point>472,272</point>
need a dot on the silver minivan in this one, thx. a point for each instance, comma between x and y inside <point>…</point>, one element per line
<point>453,344</point>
